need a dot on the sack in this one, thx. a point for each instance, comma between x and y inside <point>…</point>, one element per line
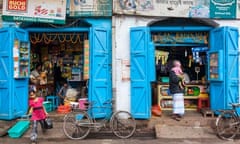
<point>48,124</point>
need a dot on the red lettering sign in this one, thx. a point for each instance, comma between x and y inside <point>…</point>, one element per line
<point>17,5</point>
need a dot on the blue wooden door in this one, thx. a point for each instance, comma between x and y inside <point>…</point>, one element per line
<point>141,72</point>
<point>225,91</point>
<point>13,92</point>
<point>100,68</point>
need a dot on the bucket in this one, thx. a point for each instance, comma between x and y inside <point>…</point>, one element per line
<point>82,102</point>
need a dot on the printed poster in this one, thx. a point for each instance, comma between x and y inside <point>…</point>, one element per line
<point>90,8</point>
<point>173,8</point>
<point>45,11</point>
<point>220,9</point>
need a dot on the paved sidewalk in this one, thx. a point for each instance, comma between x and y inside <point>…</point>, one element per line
<point>194,125</point>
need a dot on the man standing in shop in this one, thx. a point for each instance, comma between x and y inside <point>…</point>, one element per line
<point>62,92</point>
<point>177,92</point>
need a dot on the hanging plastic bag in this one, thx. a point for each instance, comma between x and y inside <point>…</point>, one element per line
<point>48,124</point>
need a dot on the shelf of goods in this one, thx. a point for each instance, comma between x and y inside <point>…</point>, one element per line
<point>192,93</point>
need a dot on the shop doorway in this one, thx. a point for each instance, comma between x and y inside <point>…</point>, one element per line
<point>87,51</point>
<point>163,36</point>
<point>63,53</point>
<point>63,56</point>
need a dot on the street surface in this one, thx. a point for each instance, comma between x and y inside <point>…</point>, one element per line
<point>123,141</point>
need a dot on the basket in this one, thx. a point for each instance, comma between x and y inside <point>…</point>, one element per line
<point>19,129</point>
<point>64,109</point>
<point>48,106</point>
<point>82,102</point>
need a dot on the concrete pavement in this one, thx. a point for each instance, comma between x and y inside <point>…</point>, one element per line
<point>193,126</point>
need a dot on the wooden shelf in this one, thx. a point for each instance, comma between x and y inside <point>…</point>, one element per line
<point>168,99</point>
<point>190,109</point>
<point>185,97</point>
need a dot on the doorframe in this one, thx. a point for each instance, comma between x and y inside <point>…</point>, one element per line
<point>181,29</point>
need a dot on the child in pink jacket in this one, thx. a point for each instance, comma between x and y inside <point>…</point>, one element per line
<point>38,112</point>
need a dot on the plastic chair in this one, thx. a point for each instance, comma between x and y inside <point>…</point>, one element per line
<point>55,101</point>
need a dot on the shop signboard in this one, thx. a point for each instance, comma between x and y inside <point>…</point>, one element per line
<point>238,9</point>
<point>220,9</point>
<point>90,8</point>
<point>223,9</point>
<point>1,4</point>
<point>44,11</point>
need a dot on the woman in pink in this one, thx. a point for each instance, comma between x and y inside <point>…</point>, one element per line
<point>38,113</point>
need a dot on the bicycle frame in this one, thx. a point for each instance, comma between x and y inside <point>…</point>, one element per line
<point>99,115</point>
<point>78,123</point>
<point>228,122</point>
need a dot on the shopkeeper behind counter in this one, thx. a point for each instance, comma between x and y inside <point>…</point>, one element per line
<point>37,76</point>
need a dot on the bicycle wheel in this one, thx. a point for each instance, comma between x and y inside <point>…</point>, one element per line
<point>227,125</point>
<point>123,124</point>
<point>76,125</point>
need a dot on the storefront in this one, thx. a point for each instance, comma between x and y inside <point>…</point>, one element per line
<point>194,31</point>
<point>204,60</point>
<point>143,63</point>
<point>80,49</point>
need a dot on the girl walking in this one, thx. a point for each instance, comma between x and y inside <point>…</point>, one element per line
<point>38,112</point>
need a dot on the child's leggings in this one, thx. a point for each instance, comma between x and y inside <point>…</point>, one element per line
<point>34,132</point>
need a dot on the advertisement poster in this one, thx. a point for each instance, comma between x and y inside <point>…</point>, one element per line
<point>220,9</point>
<point>173,8</point>
<point>45,11</point>
<point>125,70</point>
<point>223,9</point>
<point>90,8</point>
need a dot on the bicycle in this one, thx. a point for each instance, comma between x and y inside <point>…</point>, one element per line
<point>228,122</point>
<point>78,123</point>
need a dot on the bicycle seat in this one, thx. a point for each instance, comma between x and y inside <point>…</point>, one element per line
<point>234,105</point>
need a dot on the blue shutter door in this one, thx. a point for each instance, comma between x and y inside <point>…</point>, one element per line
<point>100,68</point>
<point>20,85</point>
<point>13,92</point>
<point>232,65</point>
<point>217,88</point>
<point>151,63</point>
<point>5,74</point>
<point>224,92</point>
<point>140,85</point>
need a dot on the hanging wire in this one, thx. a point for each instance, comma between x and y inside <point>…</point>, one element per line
<point>68,25</point>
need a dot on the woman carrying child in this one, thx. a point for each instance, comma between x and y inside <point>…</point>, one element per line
<point>176,88</point>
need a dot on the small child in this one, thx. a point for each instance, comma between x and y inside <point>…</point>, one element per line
<point>178,71</point>
<point>38,112</point>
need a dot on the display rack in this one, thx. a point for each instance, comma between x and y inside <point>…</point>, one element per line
<point>215,67</point>
<point>21,58</point>
<point>191,95</point>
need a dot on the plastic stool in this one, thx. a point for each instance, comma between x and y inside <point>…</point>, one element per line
<point>201,102</point>
<point>54,100</point>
